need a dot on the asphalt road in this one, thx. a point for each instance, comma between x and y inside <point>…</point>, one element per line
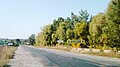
<point>41,57</point>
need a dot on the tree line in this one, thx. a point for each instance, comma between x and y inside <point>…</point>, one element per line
<point>100,31</point>
<point>12,42</point>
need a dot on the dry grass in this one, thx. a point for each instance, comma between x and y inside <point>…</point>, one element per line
<point>6,53</point>
<point>111,54</point>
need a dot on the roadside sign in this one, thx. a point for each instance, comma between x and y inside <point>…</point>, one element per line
<point>60,41</point>
<point>73,41</point>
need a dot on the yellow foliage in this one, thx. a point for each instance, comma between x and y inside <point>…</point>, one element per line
<point>74,45</point>
<point>78,45</point>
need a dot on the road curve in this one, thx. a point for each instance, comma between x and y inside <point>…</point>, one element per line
<point>28,56</point>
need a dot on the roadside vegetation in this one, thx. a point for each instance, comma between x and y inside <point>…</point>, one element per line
<point>6,53</point>
<point>111,54</point>
<point>101,31</point>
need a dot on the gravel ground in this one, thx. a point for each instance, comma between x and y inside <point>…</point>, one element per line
<point>28,56</point>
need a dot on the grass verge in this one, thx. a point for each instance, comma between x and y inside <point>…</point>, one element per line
<point>6,53</point>
<point>65,48</point>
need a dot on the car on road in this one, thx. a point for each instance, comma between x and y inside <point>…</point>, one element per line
<point>10,44</point>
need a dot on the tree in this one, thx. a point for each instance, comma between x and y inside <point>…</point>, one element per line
<point>113,11</point>
<point>84,16</point>
<point>69,23</point>
<point>60,32</point>
<point>69,34</point>
<point>54,39</point>
<point>74,17</point>
<point>31,39</point>
<point>40,39</point>
<point>46,35</point>
<point>17,42</point>
<point>80,32</point>
<point>113,27</point>
<point>79,27</point>
<point>96,29</point>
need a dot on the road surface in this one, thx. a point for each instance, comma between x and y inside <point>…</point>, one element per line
<point>28,56</point>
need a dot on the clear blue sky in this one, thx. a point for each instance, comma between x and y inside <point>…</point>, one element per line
<point>21,18</point>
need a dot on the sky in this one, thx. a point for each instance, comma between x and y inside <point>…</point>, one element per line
<point>21,18</point>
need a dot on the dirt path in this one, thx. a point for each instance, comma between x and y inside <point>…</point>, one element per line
<point>23,58</point>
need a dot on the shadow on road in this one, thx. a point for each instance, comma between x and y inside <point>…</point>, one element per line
<point>7,66</point>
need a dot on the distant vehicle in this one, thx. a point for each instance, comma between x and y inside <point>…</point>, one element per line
<point>10,44</point>
<point>28,43</point>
